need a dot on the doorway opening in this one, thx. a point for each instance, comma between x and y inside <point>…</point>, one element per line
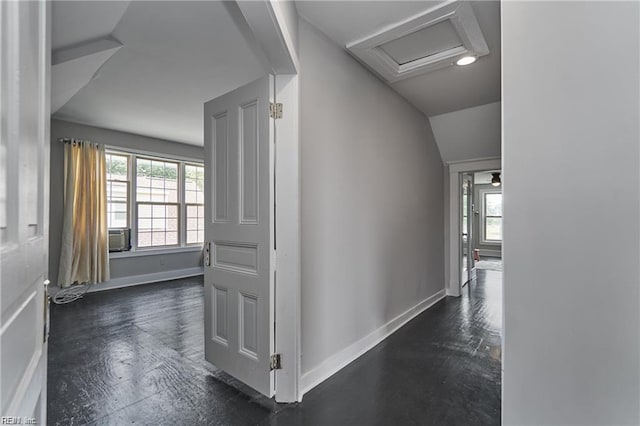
<point>486,221</point>
<point>480,223</point>
<point>144,105</point>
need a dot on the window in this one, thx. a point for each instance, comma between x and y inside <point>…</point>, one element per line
<point>157,204</point>
<point>492,216</point>
<point>166,205</point>
<point>194,202</point>
<point>117,190</point>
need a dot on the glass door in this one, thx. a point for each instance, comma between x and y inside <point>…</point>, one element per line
<point>466,212</point>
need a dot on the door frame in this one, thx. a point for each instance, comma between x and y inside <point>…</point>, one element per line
<point>270,27</point>
<point>267,25</point>
<point>452,220</point>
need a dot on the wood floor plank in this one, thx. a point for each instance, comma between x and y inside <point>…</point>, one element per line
<point>136,355</point>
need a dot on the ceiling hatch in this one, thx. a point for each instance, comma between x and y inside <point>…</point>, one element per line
<point>429,41</point>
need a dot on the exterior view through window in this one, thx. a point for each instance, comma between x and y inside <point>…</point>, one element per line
<point>492,216</point>
<point>160,199</point>
<point>117,191</point>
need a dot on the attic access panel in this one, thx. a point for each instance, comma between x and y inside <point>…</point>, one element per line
<point>429,41</point>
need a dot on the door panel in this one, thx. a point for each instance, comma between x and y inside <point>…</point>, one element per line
<point>239,331</point>
<point>24,183</point>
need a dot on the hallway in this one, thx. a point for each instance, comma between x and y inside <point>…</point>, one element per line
<point>135,355</point>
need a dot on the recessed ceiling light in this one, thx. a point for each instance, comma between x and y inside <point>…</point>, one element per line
<point>466,60</point>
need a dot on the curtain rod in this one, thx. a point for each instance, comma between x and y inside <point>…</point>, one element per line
<point>76,141</point>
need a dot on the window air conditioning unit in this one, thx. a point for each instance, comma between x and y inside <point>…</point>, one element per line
<point>119,240</point>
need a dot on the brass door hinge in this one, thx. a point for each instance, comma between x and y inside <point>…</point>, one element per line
<point>275,362</point>
<point>275,110</point>
<point>207,254</point>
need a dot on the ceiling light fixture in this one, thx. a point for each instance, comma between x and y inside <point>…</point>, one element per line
<point>495,179</point>
<point>466,60</point>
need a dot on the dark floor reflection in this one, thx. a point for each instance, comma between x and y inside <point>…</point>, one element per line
<point>136,356</point>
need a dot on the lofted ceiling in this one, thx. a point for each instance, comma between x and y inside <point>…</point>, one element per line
<point>147,67</point>
<point>437,92</point>
<point>174,56</point>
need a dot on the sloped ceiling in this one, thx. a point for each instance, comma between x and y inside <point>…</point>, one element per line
<point>460,136</point>
<point>175,56</point>
<point>438,92</point>
<point>80,44</point>
<point>73,68</point>
<point>75,22</point>
<point>471,133</point>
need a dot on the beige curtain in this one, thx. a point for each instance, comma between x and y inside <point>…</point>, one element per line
<point>84,255</point>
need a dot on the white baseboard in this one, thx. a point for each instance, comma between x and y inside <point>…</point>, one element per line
<point>338,361</point>
<point>147,278</point>
<point>453,289</point>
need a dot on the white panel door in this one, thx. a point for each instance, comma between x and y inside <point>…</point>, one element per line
<point>239,280</point>
<point>24,200</point>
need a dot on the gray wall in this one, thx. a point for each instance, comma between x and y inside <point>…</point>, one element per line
<point>372,201</point>
<point>571,314</point>
<point>121,267</point>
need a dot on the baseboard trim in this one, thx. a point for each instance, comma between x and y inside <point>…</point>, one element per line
<point>147,278</point>
<point>453,289</point>
<point>346,356</point>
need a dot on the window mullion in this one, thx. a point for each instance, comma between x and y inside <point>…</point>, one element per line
<point>182,209</point>
<point>134,201</point>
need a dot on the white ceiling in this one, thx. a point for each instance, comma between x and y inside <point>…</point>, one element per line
<point>437,92</point>
<point>175,57</point>
<point>75,22</point>
<point>71,75</point>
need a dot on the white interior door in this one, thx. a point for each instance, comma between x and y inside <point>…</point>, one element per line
<point>24,200</point>
<point>239,272</point>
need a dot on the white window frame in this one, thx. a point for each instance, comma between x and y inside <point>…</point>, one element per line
<point>132,206</point>
<point>185,204</point>
<point>128,182</point>
<point>483,239</point>
<point>179,203</point>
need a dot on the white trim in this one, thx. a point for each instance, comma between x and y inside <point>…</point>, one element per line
<point>338,361</point>
<point>288,283</point>
<point>287,37</point>
<point>448,293</point>
<point>133,156</point>
<point>268,30</point>
<point>475,165</point>
<point>455,171</point>
<point>153,155</point>
<point>460,15</point>
<point>482,192</point>
<point>153,252</point>
<point>153,277</point>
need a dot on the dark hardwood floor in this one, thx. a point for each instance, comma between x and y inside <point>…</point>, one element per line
<point>135,355</point>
